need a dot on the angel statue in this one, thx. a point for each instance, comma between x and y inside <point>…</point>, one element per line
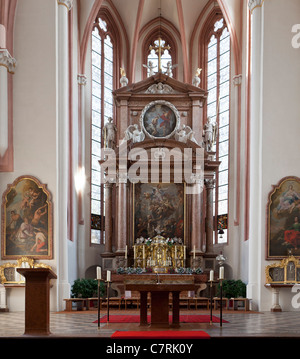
<point>169,68</point>
<point>196,79</point>
<point>210,134</point>
<point>109,134</point>
<point>150,67</point>
<point>133,133</point>
<point>185,133</point>
<point>123,79</point>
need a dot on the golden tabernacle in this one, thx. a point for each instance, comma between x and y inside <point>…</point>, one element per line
<point>160,253</point>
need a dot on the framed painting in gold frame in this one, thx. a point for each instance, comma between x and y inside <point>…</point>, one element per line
<point>159,208</point>
<point>26,224</point>
<point>283,219</point>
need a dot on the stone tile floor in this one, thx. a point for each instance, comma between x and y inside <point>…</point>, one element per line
<point>240,324</point>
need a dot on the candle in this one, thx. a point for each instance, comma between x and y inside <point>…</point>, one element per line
<point>194,252</point>
<point>143,252</point>
<point>108,278</point>
<point>98,272</point>
<point>184,252</point>
<point>126,252</point>
<point>211,275</point>
<point>221,273</point>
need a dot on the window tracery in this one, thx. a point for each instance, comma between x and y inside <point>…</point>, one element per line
<point>102,109</point>
<point>218,103</point>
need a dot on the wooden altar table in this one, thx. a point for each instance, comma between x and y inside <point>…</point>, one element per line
<point>159,292</point>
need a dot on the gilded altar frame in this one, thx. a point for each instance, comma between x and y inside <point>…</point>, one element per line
<point>9,274</point>
<point>287,271</point>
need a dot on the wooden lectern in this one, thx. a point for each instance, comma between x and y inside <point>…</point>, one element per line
<point>37,299</point>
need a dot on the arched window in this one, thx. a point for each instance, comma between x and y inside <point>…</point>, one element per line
<point>153,60</point>
<point>102,109</point>
<point>218,86</point>
<point>159,37</point>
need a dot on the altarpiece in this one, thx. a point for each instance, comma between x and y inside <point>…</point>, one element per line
<point>159,214</point>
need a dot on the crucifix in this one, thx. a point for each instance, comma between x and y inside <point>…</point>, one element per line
<point>159,48</point>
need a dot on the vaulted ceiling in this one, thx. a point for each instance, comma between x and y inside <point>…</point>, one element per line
<point>183,16</point>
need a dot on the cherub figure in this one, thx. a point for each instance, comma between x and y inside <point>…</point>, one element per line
<point>169,68</point>
<point>133,133</point>
<point>150,67</point>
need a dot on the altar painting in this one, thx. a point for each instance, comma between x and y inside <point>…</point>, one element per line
<point>159,208</point>
<point>283,232</point>
<point>159,120</point>
<point>26,220</point>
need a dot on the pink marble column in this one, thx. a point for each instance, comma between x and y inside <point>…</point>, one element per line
<point>196,218</point>
<point>108,217</point>
<point>209,226</point>
<point>122,213</point>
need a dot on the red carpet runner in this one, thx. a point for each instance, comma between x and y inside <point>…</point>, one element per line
<point>201,318</point>
<point>189,334</point>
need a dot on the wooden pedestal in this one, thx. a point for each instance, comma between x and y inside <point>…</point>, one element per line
<point>37,300</point>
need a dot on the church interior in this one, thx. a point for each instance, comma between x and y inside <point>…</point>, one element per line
<point>166,183</point>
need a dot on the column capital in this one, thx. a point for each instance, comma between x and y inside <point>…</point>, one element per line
<point>7,60</point>
<point>81,79</point>
<point>253,4</point>
<point>210,183</point>
<point>67,3</point>
<point>237,79</point>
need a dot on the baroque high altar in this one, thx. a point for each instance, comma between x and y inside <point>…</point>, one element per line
<point>159,177</point>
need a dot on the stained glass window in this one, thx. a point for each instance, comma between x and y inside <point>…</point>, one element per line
<point>102,109</point>
<point>218,86</point>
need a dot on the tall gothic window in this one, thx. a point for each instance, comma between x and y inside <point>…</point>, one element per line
<point>218,77</point>
<point>102,109</point>
<point>152,59</point>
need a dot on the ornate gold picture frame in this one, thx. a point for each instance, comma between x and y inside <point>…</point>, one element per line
<point>26,224</point>
<point>283,219</point>
<point>285,272</point>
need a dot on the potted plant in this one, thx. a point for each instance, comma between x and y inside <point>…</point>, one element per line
<point>86,288</point>
<point>232,288</point>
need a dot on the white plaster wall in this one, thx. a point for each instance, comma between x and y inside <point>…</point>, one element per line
<point>281,111</point>
<point>34,108</point>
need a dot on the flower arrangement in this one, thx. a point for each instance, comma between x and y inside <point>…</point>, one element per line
<point>139,270</point>
<point>148,270</point>
<point>180,270</point>
<point>121,270</point>
<point>171,270</point>
<point>188,270</point>
<point>169,242</point>
<point>198,270</point>
<point>131,270</point>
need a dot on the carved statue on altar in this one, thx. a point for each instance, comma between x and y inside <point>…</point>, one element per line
<point>196,79</point>
<point>185,133</point>
<point>109,134</point>
<point>123,79</point>
<point>150,67</point>
<point>210,134</point>
<point>134,133</point>
<point>169,68</point>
